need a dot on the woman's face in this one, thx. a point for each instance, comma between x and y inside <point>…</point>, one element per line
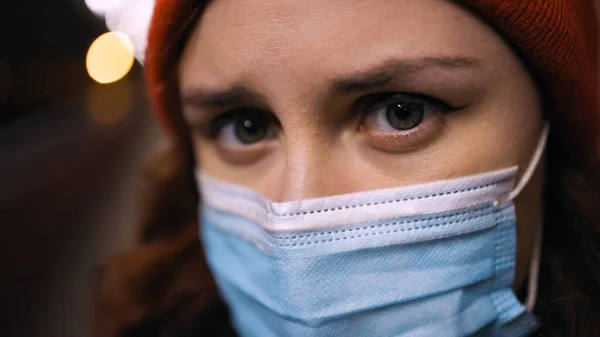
<point>304,99</point>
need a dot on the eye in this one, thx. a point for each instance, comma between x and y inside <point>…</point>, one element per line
<point>397,121</point>
<point>242,127</point>
<point>402,112</point>
<point>242,136</point>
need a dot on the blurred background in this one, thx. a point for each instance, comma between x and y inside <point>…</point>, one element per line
<point>75,129</point>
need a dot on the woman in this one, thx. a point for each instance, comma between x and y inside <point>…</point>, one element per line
<point>368,168</point>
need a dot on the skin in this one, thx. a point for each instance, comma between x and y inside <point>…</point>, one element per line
<point>312,64</point>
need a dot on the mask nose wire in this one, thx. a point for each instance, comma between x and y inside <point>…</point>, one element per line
<point>534,265</point>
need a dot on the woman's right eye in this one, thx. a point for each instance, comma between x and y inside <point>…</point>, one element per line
<point>242,128</point>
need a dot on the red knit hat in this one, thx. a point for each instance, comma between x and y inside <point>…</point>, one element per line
<point>557,38</point>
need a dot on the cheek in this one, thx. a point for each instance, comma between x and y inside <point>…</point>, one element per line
<point>264,176</point>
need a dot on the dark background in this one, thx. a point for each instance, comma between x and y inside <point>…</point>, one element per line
<point>67,179</point>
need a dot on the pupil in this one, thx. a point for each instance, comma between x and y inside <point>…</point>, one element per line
<point>250,126</point>
<point>251,129</point>
<point>401,111</point>
<point>404,116</point>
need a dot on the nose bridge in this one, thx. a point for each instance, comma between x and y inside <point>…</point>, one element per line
<point>309,166</point>
<point>312,148</point>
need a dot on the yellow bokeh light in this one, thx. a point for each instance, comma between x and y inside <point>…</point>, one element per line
<point>110,57</point>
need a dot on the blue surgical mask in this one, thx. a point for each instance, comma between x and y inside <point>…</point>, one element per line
<point>433,259</point>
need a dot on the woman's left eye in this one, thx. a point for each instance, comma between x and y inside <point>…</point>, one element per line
<point>398,120</point>
<point>403,112</point>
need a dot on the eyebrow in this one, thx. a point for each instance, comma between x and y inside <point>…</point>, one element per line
<point>223,98</point>
<point>391,69</point>
<point>375,77</point>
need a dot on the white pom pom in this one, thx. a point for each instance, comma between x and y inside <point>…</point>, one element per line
<point>130,17</point>
<point>100,7</point>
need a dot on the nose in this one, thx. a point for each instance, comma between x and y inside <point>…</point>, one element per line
<point>315,168</point>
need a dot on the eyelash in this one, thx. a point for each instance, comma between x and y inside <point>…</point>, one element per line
<point>369,104</point>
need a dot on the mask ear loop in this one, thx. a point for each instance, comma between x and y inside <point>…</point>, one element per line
<point>534,265</point>
<point>537,156</point>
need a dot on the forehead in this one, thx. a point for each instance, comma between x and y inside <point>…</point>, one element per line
<point>237,40</point>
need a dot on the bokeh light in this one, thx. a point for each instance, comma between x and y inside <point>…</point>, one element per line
<point>110,57</point>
